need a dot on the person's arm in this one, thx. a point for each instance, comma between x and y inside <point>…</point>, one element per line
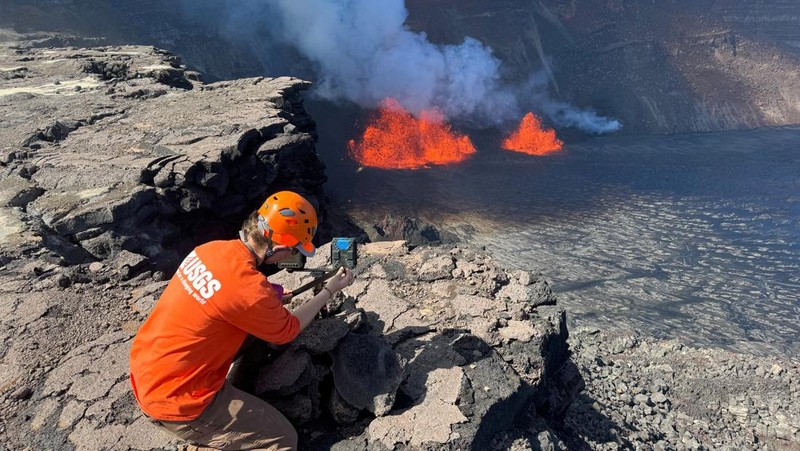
<point>307,311</point>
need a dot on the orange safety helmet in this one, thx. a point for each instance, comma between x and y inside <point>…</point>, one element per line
<point>288,219</point>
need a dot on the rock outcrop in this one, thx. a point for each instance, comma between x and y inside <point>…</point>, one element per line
<point>115,153</point>
<point>114,161</point>
<point>442,349</point>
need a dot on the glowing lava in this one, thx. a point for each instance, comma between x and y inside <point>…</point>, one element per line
<point>395,139</point>
<point>532,139</point>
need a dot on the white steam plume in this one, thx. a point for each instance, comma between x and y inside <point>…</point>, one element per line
<point>567,115</point>
<point>562,113</point>
<point>363,52</point>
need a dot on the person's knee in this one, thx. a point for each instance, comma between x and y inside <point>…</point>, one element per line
<point>283,440</point>
<point>289,440</point>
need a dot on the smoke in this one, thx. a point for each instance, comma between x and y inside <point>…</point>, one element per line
<point>562,113</point>
<point>567,115</point>
<point>362,52</point>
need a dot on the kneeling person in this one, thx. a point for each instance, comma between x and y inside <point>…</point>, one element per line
<point>181,355</point>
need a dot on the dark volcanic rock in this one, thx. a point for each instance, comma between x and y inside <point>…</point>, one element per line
<point>322,335</point>
<point>411,230</point>
<point>341,410</point>
<point>474,364</point>
<point>367,372</point>
<point>290,372</point>
<point>111,164</point>
<point>645,393</point>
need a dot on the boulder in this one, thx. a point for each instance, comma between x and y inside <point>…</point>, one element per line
<point>322,335</point>
<point>439,267</point>
<point>367,372</point>
<point>528,288</point>
<point>289,373</point>
<point>342,411</point>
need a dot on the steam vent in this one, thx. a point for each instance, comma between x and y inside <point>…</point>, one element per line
<point>577,224</point>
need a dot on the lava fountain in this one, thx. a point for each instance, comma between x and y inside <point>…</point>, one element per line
<point>395,139</point>
<point>532,139</point>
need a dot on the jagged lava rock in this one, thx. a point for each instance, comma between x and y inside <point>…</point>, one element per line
<point>367,372</point>
<point>448,349</point>
<point>111,148</point>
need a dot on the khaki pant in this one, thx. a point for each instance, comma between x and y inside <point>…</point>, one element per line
<point>236,420</point>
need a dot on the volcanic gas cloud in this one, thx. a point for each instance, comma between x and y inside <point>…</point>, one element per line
<point>532,139</point>
<point>395,139</point>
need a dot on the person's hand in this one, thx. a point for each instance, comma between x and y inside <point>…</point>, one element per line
<point>342,279</point>
<point>284,295</point>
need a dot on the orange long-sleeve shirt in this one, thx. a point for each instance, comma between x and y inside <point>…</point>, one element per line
<point>181,354</point>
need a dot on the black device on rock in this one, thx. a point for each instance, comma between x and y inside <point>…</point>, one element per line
<point>344,253</point>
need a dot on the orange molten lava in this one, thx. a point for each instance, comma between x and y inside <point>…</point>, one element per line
<point>530,138</point>
<point>395,139</point>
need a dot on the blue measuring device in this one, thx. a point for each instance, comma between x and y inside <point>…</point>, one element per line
<point>344,252</point>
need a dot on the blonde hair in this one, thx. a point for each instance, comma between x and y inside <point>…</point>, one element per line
<point>250,229</point>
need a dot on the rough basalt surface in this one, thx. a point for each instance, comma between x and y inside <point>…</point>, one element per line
<point>115,160</point>
<point>643,393</point>
<point>443,349</point>
<point>117,149</point>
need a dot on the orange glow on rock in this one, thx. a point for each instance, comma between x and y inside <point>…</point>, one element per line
<point>532,139</point>
<point>395,139</point>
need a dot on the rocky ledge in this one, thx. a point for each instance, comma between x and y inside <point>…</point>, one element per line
<point>120,154</point>
<point>431,348</point>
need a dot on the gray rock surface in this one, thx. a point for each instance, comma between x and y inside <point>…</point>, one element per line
<point>442,384</point>
<point>367,372</point>
<point>119,142</point>
<point>107,153</point>
<point>642,392</point>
